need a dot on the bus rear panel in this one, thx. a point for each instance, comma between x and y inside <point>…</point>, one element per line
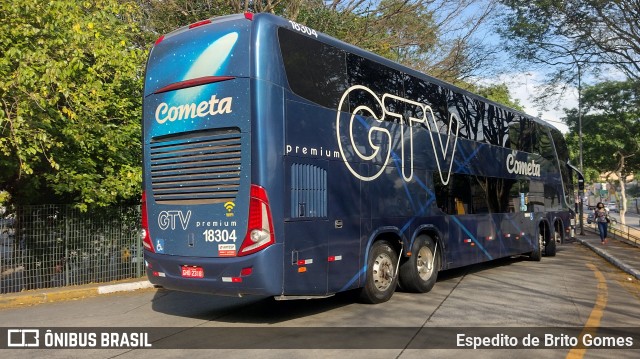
<point>207,227</point>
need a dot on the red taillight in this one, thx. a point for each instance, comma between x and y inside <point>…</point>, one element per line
<point>248,16</point>
<point>146,238</point>
<point>260,227</point>
<point>199,23</point>
<point>159,40</point>
<point>246,271</point>
<point>193,82</point>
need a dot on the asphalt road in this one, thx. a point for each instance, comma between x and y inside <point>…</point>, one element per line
<point>576,290</point>
<point>631,219</point>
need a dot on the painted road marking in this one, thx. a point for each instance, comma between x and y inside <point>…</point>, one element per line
<point>593,322</point>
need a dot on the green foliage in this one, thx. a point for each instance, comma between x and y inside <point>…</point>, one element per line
<point>598,34</point>
<point>163,16</point>
<point>71,94</point>
<point>71,79</point>
<point>398,30</point>
<point>499,93</point>
<point>409,32</point>
<point>610,128</point>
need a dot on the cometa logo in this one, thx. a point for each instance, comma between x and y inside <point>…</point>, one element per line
<point>521,167</point>
<point>212,107</point>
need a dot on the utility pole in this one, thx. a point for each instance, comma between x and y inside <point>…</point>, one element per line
<point>580,192</point>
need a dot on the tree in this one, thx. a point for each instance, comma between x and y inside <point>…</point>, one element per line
<point>611,131</point>
<point>70,101</point>
<point>499,93</point>
<point>71,77</point>
<point>432,37</point>
<point>573,36</point>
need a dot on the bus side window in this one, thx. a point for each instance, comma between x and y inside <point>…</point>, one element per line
<point>455,197</point>
<point>519,195</point>
<point>460,206</point>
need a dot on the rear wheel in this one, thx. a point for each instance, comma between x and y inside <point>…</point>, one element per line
<point>419,272</point>
<point>557,234</point>
<point>536,254</point>
<point>381,279</point>
<point>551,247</point>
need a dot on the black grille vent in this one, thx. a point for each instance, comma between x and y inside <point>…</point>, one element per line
<point>198,168</point>
<point>308,191</point>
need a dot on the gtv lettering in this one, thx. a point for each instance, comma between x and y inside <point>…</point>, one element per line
<point>168,219</point>
<point>446,151</point>
<point>212,107</point>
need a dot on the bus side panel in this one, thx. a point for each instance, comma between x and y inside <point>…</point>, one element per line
<point>325,249</point>
<point>305,229</point>
<point>321,208</point>
<point>462,244</point>
<point>487,235</point>
<point>512,229</point>
<point>348,208</point>
<point>305,266</point>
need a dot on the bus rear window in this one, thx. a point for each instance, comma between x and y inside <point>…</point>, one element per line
<point>208,50</point>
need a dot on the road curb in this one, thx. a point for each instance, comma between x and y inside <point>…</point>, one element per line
<point>34,297</point>
<point>124,287</point>
<point>611,259</point>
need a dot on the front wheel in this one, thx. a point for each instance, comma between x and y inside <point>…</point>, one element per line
<point>419,272</point>
<point>381,279</point>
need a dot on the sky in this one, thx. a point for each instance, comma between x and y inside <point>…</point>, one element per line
<point>522,86</point>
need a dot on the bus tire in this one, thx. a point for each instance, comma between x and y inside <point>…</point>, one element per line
<point>557,234</point>
<point>418,274</point>
<point>550,248</point>
<point>536,254</point>
<point>381,279</point>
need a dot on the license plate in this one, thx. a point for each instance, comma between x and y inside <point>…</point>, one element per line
<point>192,272</point>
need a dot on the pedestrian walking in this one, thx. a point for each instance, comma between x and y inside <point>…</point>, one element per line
<point>601,217</point>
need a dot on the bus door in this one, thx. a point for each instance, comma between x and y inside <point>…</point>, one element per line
<point>349,227</point>
<point>306,227</point>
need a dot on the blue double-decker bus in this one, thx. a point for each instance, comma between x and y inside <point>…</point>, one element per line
<point>279,161</point>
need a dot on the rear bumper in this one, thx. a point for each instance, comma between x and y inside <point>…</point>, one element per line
<point>221,275</point>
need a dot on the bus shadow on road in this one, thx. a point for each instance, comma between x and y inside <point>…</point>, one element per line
<point>475,268</point>
<point>248,310</point>
<point>266,310</point>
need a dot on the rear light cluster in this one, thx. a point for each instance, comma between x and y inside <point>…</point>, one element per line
<point>146,238</point>
<point>193,82</point>
<point>260,226</point>
<point>200,23</point>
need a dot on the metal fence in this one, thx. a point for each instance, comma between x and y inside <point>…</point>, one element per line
<point>53,246</point>
<point>629,234</point>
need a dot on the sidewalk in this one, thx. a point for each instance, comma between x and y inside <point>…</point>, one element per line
<point>40,296</point>
<point>616,251</point>
<point>623,255</point>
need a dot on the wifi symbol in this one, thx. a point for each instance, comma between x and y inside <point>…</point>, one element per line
<point>229,206</point>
